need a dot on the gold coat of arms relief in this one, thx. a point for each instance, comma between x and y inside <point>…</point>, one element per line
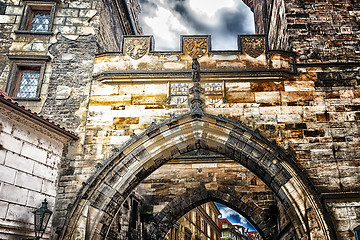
<point>136,47</point>
<point>195,46</point>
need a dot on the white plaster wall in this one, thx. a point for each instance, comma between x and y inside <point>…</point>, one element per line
<point>28,175</point>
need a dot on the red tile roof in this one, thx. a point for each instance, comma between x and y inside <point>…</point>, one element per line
<point>222,220</point>
<point>4,98</point>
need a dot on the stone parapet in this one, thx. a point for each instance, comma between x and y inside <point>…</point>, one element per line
<point>138,56</point>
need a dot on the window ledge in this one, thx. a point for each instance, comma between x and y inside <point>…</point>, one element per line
<point>29,57</point>
<point>32,32</point>
<point>26,99</point>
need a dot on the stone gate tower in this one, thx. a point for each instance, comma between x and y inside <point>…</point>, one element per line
<point>275,134</point>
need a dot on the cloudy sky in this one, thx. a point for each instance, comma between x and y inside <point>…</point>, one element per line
<point>234,217</point>
<point>222,19</point>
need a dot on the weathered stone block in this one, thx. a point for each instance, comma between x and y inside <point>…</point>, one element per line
<point>25,180</point>
<point>267,97</point>
<point>63,92</point>
<point>67,12</point>
<point>2,156</point>
<point>35,198</point>
<point>296,96</point>
<point>240,97</point>
<point>33,152</point>
<point>267,86</point>
<point>13,10</point>
<point>299,85</point>
<point>18,162</point>
<point>7,174</point>
<point>44,171</point>
<point>238,86</point>
<point>11,193</point>
<point>314,133</point>
<point>289,118</point>
<point>7,19</point>
<point>10,143</point>
<point>3,209</point>
<point>20,213</point>
<point>80,4</point>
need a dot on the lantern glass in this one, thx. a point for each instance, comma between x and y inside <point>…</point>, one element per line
<point>41,218</point>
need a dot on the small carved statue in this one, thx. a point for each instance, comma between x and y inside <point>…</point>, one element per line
<point>195,70</point>
<point>196,103</point>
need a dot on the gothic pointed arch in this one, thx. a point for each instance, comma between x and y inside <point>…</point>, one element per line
<point>179,206</point>
<point>98,201</point>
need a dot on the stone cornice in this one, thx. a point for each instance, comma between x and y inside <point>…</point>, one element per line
<point>185,75</point>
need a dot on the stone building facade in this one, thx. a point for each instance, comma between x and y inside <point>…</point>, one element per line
<point>284,108</point>
<point>31,149</point>
<point>199,223</point>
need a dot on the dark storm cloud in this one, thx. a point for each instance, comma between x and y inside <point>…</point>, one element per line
<point>235,21</point>
<point>148,8</point>
<point>190,18</point>
<point>224,26</point>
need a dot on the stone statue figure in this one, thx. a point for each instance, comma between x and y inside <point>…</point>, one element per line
<point>195,70</point>
<point>196,103</point>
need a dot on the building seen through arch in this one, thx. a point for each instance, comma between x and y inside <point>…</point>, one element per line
<point>125,141</point>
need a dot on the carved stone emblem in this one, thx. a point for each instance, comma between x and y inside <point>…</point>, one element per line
<point>195,46</point>
<point>253,46</point>
<point>214,92</point>
<point>136,47</point>
<point>178,93</point>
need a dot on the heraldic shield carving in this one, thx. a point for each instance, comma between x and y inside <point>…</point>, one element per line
<point>253,46</point>
<point>136,47</point>
<point>196,46</point>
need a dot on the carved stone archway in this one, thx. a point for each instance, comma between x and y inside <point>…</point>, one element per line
<point>100,198</point>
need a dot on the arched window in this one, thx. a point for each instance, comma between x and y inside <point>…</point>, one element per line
<point>357,232</point>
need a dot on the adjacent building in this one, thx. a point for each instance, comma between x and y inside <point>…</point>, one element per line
<point>198,224</point>
<point>230,231</point>
<point>31,148</point>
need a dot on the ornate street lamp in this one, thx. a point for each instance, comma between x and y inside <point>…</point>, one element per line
<point>41,219</point>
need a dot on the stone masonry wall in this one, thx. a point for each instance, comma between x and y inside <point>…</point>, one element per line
<point>5,40</point>
<point>322,34</point>
<point>71,19</point>
<point>313,113</point>
<point>28,164</point>
<point>325,31</point>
